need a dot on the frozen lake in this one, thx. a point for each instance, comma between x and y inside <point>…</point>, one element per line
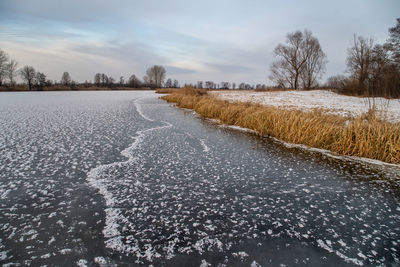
<point>122,178</point>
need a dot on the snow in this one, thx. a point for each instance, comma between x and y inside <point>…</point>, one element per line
<point>330,102</point>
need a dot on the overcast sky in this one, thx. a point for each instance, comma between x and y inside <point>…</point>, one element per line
<point>195,40</point>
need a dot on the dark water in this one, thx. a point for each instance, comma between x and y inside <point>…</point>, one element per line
<point>183,192</point>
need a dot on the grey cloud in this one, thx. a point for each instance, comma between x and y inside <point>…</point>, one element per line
<point>171,70</point>
<point>231,68</point>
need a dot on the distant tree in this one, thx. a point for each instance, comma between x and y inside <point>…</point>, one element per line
<point>225,85</point>
<point>155,76</point>
<point>233,86</point>
<point>200,84</point>
<point>104,79</point>
<point>40,79</point>
<point>11,70</point>
<point>300,58</point>
<point>65,79</point>
<point>175,84</point>
<point>245,86</point>
<point>3,66</point>
<point>359,59</point>
<point>28,74</point>
<point>337,82</point>
<point>209,84</point>
<point>134,81</point>
<point>168,83</point>
<point>97,79</point>
<point>121,81</point>
<point>111,81</point>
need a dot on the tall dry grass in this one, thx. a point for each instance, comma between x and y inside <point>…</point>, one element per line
<point>373,138</point>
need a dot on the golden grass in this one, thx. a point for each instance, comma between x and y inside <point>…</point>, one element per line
<point>373,138</point>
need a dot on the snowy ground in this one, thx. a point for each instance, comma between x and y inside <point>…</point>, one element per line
<point>307,100</point>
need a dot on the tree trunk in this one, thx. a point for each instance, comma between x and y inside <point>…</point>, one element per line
<point>296,80</point>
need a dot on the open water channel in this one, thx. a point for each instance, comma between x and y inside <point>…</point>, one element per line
<point>123,179</point>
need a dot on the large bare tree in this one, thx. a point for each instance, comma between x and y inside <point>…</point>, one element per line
<point>315,64</point>
<point>155,76</point>
<point>300,58</point>
<point>28,74</point>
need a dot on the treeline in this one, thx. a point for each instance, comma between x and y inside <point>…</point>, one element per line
<point>154,78</point>
<point>225,85</point>
<point>372,69</point>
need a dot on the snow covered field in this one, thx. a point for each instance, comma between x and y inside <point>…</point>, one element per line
<point>307,100</point>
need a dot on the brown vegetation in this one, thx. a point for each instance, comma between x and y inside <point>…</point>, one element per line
<point>167,90</point>
<point>373,138</point>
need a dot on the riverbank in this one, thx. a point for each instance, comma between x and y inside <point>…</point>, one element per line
<point>367,135</point>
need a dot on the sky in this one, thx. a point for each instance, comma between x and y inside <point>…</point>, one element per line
<point>217,40</point>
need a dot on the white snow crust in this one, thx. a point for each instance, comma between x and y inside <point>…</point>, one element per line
<point>330,102</point>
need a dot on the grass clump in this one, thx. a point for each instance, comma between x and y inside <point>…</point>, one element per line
<point>373,138</point>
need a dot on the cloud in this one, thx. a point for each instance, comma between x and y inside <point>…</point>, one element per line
<point>222,40</point>
<point>171,70</point>
<point>231,68</point>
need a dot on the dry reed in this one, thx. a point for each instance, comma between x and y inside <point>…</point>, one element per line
<point>374,138</point>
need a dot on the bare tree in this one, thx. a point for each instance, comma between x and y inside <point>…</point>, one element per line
<point>28,74</point>
<point>66,79</point>
<point>168,83</point>
<point>134,81</point>
<point>282,74</point>
<point>155,76</point>
<point>337,82</point>
<point>301,53</point>
<point>233,86</point>
<point>359,59</point>
<point>3,65</point>
<point>176,84</point>
<point>244,86</point>
<point>40,79</point>
<point>11,70</point>
<point>209,84</point>
<point>97,78</point>
<point>121,80</point>
<point>315,64</point>
<point>225,85</point>
<point>200,84</point>
<point>104,79</point>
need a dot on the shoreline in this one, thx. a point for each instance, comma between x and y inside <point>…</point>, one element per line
<point>375,141</point>
<point>376,164</point>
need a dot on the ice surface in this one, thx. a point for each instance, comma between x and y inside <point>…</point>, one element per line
<point>123,179</point>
